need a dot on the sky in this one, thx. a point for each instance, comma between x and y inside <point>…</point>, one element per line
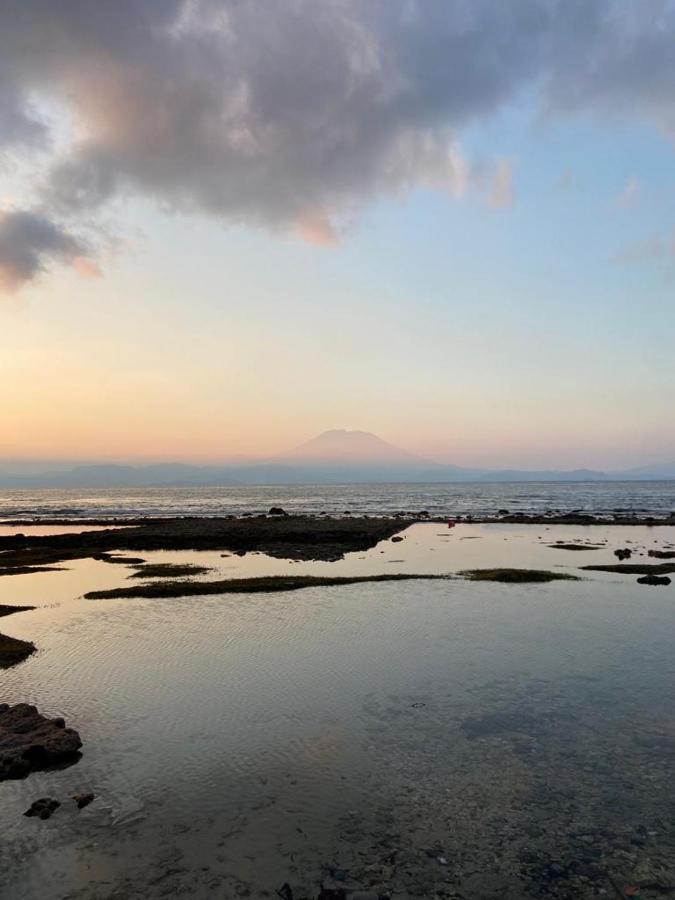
<point>229,225</point>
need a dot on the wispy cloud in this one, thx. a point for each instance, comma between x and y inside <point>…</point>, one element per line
<point>502,192</point>
<point>656,248</point>
<point>629,196</point>
<point>566,180</point>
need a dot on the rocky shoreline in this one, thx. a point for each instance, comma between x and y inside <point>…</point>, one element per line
<point>289,537</point>
<point>29,741</point>
<point>302,537</point>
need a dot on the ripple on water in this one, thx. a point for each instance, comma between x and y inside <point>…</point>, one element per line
<point>226,733</point>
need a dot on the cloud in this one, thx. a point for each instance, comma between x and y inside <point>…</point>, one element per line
<point>656,248</point>
<point>566,180</point>
<point>87,268</point>
<point>286,115</point>
<point>502,193</point>
<point>629,196</point>
<point>318,230</point>
<point>29,243</point>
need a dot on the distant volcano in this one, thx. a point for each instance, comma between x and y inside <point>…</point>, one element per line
<point>341,446</point>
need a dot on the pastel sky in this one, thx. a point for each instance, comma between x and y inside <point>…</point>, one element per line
<point>228,226</point>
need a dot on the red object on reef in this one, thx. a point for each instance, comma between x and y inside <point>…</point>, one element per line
<point>451,524</point>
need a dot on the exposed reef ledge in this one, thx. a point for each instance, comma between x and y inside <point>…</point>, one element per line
<point>290,537</point>
<point>266,584</point>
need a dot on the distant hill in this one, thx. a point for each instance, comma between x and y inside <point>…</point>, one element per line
<point>333,457</point>
<point>340,446</point>
<point>658,472</point>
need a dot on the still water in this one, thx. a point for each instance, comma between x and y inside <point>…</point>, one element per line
<point>431,739</point>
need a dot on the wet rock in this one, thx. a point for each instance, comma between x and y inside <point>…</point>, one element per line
<point>42,808</point>
<point>623,553</point>
<point>396,539</point>
<point>661,554</point>
<point>654,579</point>
<point>277,511</point>
<point>83,800</point>
<point>14,651</point>
<point>30,741</point>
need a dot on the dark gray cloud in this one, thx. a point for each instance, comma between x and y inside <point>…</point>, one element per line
<point>29,243</point>
<point>289,115</point>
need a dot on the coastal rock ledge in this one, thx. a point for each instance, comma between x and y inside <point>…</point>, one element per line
<point>29,741</point>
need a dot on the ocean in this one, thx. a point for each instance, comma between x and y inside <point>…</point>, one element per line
<point>655,498</point>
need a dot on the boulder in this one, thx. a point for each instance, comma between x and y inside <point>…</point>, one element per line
<point>30,741</point>
<point>277,511</point>
<point>654,579</point>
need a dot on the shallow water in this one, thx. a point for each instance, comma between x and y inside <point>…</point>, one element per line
<point>48,530</point>
<point>237,742</point>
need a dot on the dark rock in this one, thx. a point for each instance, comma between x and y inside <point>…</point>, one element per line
<point>503,512</point>
<point>654,579</point>
<point>29,741</point>
<point>396,539</point>
<point>662,554</point>
<point>43,808</point>
<point>624,553</point>
<point>83,800</point>
<point>277,511</point>
<point>13,651</point>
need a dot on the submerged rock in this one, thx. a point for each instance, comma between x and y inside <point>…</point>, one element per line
<point>30,741</point>
<point>43,808</point>
<point>83,800</point>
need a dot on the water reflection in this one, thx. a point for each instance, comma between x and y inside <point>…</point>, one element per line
<point>238,742</point>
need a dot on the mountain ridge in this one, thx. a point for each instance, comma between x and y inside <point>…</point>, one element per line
<point>336,456</point>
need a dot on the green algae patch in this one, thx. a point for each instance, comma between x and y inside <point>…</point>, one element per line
<point>168,570</point>
<point>6,610</point>
<point>267,584</point>
<point>13,651</point>
<point>635,568</point>
<point>576,546</point>
<point>516,576</point>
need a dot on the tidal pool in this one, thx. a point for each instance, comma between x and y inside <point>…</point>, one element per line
<point>420,739</point>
